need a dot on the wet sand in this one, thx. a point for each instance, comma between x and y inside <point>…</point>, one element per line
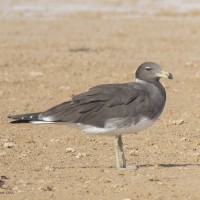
<point>44,62</point>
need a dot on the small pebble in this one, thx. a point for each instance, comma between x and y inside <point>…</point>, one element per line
<point>9,145</point>
<point>115,186</point>
<point>54,140</point>
<point>3,178</point>
<point>36,74</point>
<point>79,155</point>
<point>133,153</point>
<point>2,153</point>
<point>69,150</point>
<point>177,122</point>
<point>47,188</point>
<point>47,168</point>
<point>23,155</point>
<point>153,179</point>
<point>189,64</point>
<point>183,139</point>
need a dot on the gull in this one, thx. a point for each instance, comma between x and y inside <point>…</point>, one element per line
<point>111,109</point>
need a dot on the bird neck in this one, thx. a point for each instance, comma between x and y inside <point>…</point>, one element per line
<point>155,83</point>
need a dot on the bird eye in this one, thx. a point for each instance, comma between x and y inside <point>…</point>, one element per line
<point>148,68</point>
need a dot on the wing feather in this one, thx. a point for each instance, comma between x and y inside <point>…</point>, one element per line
<point>95,104</point>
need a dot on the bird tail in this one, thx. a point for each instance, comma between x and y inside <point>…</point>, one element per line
<point>25,118</point>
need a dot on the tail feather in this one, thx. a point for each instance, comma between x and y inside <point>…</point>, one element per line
<point>25,118</point>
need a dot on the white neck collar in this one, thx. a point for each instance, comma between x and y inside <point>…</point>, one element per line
<point>140,81</point>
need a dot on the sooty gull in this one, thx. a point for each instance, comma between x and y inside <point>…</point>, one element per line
<point>111,109</point>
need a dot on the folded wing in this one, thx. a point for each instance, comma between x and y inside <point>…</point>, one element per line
<point>98,104</point>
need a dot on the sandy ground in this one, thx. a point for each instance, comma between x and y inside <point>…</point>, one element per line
<point>45,62</point>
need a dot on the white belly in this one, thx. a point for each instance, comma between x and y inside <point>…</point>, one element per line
<point>111,129</point>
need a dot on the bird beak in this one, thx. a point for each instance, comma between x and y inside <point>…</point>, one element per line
<point>164,74</point>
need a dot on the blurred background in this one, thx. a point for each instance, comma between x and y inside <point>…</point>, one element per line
<point>129,8</point>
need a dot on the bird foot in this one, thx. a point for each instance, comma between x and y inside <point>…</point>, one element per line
<point>133,167</point>
<point>130,167</point>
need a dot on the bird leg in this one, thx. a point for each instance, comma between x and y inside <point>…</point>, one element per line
<point>120,156</point>
<point>119,152</point>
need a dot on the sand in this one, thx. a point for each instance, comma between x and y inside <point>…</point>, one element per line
<point>44,62</point>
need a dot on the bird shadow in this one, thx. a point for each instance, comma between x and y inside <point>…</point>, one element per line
<point>168,165</point>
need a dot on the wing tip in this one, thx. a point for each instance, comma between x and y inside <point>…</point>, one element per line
<point>16,119</point>
<point>19,122</point>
